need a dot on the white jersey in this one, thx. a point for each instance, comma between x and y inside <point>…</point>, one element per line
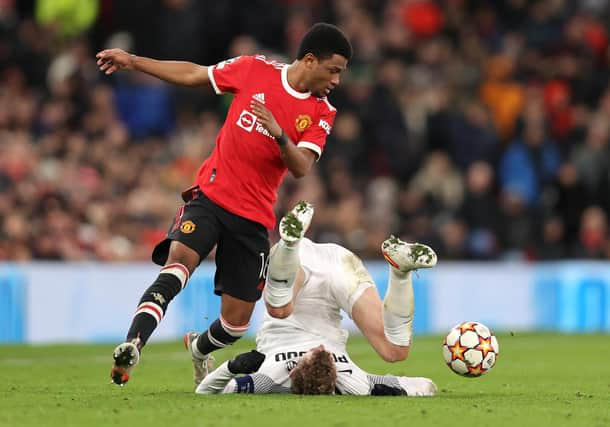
<point>334,280</point>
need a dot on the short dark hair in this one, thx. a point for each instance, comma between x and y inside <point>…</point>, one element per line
<point>316,375</point>
<point>323,40</point>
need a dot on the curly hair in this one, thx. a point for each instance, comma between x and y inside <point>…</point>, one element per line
<point>324,40</point>
<point>316,374</point>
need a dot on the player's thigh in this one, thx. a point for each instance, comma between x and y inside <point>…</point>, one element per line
<point>241,260</point>
<point>196,225</point>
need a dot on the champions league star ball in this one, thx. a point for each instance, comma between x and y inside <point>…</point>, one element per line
<point>470,349</point>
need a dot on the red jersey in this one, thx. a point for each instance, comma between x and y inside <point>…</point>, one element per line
<point>245,169</point>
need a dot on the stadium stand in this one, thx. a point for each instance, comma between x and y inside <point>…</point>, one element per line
<point>481,128</point>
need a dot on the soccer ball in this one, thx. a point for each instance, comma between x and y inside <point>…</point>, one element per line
<point>470,349</point>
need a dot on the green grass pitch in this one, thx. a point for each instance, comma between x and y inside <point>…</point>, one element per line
<point>539,380</point>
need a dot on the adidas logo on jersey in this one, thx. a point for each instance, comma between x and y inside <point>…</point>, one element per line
<point>260,97</point>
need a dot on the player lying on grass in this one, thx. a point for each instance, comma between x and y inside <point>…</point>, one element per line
<point>308,284</point>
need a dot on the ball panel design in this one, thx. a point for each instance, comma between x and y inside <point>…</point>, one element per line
<point>446,354</point>
<point>453,336</point>
<point>489,361</point>
<point>470,349</point>
<point>495,345</point>
<point>469,339</point>
<point>473,357</point>
<point>482,330</point>
<point>459,367</point>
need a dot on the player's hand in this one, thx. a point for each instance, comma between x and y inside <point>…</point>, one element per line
<point>246,363</point>
<point>111,60</point>
<point>266,119</point>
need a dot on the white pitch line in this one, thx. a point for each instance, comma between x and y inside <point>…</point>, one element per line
<point>56,360</point>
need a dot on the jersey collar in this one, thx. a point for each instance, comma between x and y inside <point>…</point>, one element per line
<point>289,89</point>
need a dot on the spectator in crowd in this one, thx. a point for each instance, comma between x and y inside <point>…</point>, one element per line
<point>520,87</point>
<point>593,239</point>
<point>551,246</point>
<point>529,164</point>
<point>480,211</point>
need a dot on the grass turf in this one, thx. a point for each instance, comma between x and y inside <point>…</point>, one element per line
<point>539,380</point>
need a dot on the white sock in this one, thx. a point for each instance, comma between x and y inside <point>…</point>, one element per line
<point>283,265</point>
<point>398,307</point>
<point>216,380</point>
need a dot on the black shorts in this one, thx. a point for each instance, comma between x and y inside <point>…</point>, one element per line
<point>242,246</point>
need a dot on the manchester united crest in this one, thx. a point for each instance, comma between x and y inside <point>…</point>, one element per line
<point>187,227</point>
<point>302,122</point>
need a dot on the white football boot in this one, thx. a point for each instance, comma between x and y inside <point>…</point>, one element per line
<point>126,358</point>
<point>407,256</point>
<point>296,222</point>
<point>201,367</point>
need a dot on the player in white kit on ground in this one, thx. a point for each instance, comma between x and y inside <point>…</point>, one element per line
<point>308,285</point>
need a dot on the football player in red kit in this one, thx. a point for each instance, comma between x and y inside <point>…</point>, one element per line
<point>278,121</point>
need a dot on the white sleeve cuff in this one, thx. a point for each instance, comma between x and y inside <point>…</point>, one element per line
<point>212,80</point>
<point>357,294</point>
<point>311,146</point>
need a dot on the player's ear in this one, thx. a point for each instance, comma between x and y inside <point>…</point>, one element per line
<point>310,60</point>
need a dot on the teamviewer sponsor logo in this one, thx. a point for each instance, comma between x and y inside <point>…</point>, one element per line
<point>246,121</point>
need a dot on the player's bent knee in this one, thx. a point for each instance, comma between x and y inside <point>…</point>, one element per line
<point>279,312</point>
<point>179,253</point>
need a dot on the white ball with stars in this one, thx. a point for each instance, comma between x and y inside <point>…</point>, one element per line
<point>470,349</point>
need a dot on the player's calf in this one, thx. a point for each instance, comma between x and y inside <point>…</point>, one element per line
<point>155,300</point>
<point>149,313</point>
<point>398,304</point>
<point>284,259</point>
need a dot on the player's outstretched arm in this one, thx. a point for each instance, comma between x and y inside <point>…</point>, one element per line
<point>219,380</point>
<point>366,313</point>
<point>178,72</point>
<point>216,381</point>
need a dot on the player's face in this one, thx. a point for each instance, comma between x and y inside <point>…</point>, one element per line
<point>325,74</point>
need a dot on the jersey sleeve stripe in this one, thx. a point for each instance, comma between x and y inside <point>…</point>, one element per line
<point>311,146</point>
<point>212,80</point>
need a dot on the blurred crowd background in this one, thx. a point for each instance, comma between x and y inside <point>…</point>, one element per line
<point>479,127</point>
